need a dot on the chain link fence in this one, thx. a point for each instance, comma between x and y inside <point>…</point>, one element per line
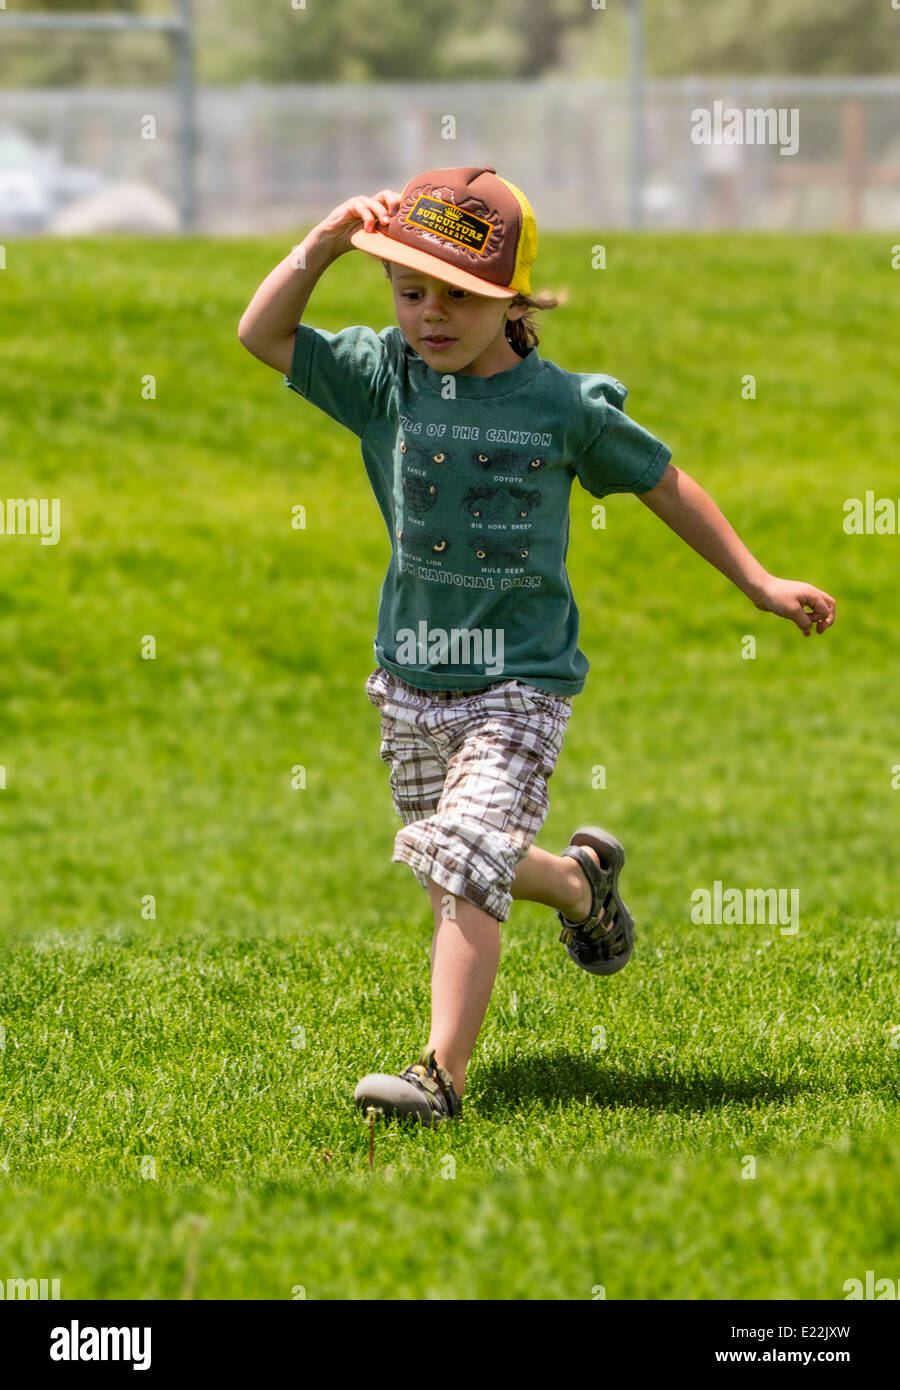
<point>276,158</point>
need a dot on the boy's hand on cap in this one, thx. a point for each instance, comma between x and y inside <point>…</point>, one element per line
<point>369,213</point>
<point>790,598</point>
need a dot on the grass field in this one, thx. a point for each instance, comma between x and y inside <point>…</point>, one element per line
<point>719,1121</point>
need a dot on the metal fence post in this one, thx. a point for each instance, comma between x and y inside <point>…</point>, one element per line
<point>183,39</point>
<point>636,103</point>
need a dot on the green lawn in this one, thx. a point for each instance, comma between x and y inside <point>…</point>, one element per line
<point>176,1112</point>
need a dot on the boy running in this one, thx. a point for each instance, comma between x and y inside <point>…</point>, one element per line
<point>471,443</point>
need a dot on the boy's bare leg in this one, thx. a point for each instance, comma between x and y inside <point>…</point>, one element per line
<point>465,952</point>
<point>554,881</point>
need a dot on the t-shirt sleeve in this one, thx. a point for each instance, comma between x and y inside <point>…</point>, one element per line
<point>339,372</point>
<point>620,455</point>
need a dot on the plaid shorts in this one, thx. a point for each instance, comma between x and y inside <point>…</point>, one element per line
<point>469,774</point>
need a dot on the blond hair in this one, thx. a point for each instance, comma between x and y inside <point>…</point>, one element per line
<point>521,333</point>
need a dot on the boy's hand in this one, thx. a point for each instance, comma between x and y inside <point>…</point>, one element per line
<point>789,598</point>
<point>359,212</point>
<point>268,326</point>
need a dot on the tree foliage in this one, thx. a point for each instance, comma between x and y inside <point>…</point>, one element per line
<point>430,40</point>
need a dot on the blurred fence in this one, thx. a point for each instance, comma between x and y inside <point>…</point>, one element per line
<point>274,158</point>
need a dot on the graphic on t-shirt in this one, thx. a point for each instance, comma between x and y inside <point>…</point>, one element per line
<point>507,461</point>
<point>486,504</point>
<point>419,495</point>
<point>498,550</point>
<point>495,505</point>
<point>434,545</point>
<point>436,455</point>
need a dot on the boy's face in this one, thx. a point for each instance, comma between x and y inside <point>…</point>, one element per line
<point>453,330</point>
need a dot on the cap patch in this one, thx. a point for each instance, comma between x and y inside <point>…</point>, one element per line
<point>449,221</point>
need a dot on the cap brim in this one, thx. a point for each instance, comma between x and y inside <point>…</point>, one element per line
<point>387,249</point>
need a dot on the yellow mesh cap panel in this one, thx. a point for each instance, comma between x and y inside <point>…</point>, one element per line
<point>527,248</point>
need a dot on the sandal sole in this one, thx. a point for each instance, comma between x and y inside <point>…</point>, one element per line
<point>396,1098</point>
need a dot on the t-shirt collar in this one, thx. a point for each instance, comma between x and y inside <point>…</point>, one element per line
<point>471,387</point>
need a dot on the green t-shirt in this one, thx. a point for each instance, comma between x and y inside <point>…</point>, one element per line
<point>473,476</point>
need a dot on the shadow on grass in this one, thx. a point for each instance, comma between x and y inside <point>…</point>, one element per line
<point>565,1076</point>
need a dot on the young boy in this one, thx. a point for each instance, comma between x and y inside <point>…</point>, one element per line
<point>471,443</point>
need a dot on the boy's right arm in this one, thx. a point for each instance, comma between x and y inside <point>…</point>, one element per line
<point>269,323</point>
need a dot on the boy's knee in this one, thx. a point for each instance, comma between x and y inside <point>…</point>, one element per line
<point>461,861</point>
<point>456,906</point>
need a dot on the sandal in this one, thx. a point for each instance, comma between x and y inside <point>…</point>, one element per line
<point>423,1091</point>
<point>604,941</point>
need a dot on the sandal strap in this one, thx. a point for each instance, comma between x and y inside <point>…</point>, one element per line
<point>433,1080</point>
<point>598,879</point>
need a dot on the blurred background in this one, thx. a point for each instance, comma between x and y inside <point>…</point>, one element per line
<point>222,117</point>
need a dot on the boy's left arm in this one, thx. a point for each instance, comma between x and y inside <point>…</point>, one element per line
<point>693,515</point>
